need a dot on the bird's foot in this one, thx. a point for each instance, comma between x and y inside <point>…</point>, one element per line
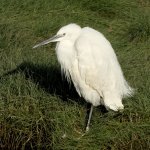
<point>87,129</point>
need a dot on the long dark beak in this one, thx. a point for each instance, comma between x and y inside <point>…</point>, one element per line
<point>52,39</point>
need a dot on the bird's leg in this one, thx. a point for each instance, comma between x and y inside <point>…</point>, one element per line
<point>89,118</point>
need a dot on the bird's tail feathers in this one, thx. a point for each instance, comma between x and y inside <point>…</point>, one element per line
<point>128,91</point>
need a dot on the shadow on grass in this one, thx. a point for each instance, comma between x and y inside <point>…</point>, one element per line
<point>49,79</point>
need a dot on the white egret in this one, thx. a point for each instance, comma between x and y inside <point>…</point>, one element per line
<point>88,59</point>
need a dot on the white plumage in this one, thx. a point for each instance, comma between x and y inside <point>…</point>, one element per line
<point>88,59</point>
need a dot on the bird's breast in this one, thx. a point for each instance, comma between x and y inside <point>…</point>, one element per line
<point>66,55</point>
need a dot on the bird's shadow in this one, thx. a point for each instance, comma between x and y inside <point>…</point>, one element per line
<point>49,79</point>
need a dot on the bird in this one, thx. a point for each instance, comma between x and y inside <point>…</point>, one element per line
<point>88,60</point>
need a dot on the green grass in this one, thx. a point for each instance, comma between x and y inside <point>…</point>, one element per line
<point>37,108</point>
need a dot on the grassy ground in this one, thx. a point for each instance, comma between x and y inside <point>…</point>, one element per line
<point>37,108</point>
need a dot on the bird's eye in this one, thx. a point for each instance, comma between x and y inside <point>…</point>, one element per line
<point>64,33</point>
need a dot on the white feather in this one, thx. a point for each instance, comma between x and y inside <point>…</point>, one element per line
<point>88,59</point>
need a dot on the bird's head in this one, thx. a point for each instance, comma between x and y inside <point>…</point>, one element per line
<point>68,32</point>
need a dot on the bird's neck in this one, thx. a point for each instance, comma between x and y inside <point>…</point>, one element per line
<point>65,54</point>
